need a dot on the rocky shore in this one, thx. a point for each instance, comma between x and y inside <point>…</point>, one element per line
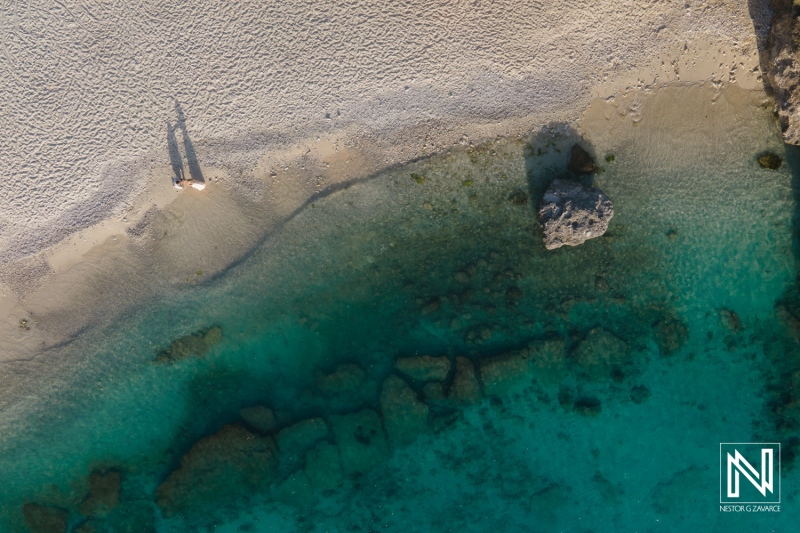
<point>781,66</point>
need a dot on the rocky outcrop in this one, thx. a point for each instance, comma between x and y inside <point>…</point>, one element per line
<point>572,213</point>
<point>781,66</point>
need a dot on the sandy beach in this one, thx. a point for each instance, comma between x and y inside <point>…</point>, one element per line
<point>279,103</point>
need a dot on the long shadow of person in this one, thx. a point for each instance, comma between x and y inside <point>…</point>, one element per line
<point>191,156</point>
<point>175,158</point>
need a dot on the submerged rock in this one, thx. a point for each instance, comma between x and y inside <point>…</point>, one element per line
<point>465,389</point>
<point>196,344</point>
<point>344,378</point>
<point>324,467</point>
<point>588,406</point>
<point>548,359</point>
<point>424,367</point>
<point>581,161</point>
<point>770,161</point>
<point>731,320</point>
<point>129,517</point>
<point>103,493</point>
<point>295,490</point>
<point>302,435</point>
<point>230,463</point>
<point>259,418</point>
<point>361,440</point>
<point>599,353</point>
<point>505,373</point>
<point>671,335</point>
<point>572,213</point>
<point>404,416</point>
<point>41,519</point>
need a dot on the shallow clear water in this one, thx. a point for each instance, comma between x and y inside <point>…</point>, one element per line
<point>443,257</point>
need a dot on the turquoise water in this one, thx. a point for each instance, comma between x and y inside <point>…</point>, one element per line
<point>627,359</point>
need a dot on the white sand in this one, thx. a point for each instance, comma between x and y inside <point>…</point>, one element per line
<point>281,100</point>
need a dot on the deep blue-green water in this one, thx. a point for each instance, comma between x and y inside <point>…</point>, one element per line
<point>626,361</point>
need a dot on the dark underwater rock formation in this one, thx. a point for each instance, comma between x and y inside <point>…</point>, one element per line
<point>41,519</point>
<point>424,367</point>
<point>302,435</point>
<point>781,66</point>
<point>324,467</point>
<point>504,373</point>
<point>259,418</point>
<point>196,344</point>
<point>671,335</point>
<point>361,440</point>
<point>465,389</point>
<point>770,161</point>
<point>231,463</point>
<point>572,213</point>
<point>103,493</point>
<point>344,378</point>
<point>404,416</point>
<point>599,353</point>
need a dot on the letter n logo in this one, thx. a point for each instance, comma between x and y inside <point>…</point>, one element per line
<point>748,473</point>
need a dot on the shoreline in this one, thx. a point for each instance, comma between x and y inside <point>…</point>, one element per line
<point>64,288</point>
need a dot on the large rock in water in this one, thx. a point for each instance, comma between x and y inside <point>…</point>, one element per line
<point>781,66</point>
<point>404,416</point>
<point>572,213</point>
<point>231,463</point>
<point>361,440</point>
<point>103,493</point>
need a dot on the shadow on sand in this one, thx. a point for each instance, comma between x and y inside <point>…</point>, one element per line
<point>176,160</point>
